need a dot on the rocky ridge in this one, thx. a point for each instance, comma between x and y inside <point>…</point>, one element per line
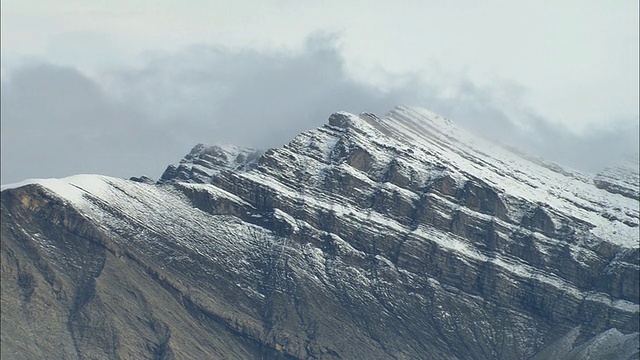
<point>401,237</point>
<point>622,178</point>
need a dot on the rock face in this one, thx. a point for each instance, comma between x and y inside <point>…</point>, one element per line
<point>203,162</point>
<point>402,237</point>
<point>622,178</point>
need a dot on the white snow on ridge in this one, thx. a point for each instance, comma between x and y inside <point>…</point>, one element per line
<point>569,193</point>
<point>425,139</point>
<point>139,212</point>
<point>215,192</point>
<point>156,209</point>
<point>71,188</point>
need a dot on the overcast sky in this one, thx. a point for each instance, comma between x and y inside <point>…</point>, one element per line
<point>124,88</point>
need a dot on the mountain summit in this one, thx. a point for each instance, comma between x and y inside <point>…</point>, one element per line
<point>401,237</point>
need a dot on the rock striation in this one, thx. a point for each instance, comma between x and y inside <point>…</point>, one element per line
<point>621,178</point>
<point>203,162</point>
<point>402,237</point>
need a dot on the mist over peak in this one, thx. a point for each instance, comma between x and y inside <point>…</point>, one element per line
<point>135,120</point>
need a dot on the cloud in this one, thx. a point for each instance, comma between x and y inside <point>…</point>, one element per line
<point>133,121</point>
<point>248,97</point>
<point>56,122</point>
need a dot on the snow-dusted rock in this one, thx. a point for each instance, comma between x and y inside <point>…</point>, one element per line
<point>622,178</point>
<point>396,237</point>
<point>204,161</point>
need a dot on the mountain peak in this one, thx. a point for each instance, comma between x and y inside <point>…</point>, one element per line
<point>407,232</point>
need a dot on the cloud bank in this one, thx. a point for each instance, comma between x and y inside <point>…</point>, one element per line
<point>57,121</point>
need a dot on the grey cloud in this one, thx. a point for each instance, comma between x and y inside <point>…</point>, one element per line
<point>57,122</point>
<point>247,97</point>
<point>596,149</point>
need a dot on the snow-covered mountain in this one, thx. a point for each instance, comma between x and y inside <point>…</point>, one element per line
<point>403,237</point>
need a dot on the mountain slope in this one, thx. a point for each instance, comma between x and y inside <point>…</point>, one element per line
<point>622,178</point>
<point>395,237</point>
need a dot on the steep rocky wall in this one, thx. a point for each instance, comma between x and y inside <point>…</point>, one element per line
<point>70,291</point>
<point>362,239</point>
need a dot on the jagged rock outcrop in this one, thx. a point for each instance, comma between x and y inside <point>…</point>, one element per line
<point>402,237</point>
<point>203,162</point>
